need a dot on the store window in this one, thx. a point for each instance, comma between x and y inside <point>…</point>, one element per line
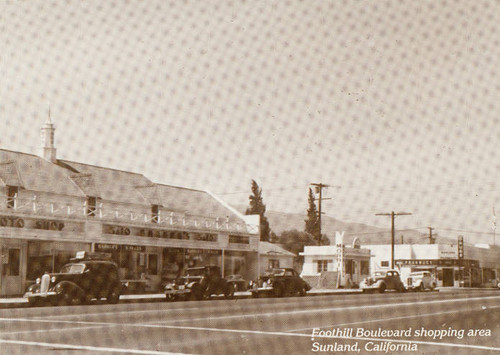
<point>155,214</point>
<point>153,264</point>
<point>12,192</point>
<point>91,206</point>
<point>384,263</point>
<point>365,267</point>
<point>273,263</point>
<point>322,265</point>
<point>14,258</point>
<point>349,267</point>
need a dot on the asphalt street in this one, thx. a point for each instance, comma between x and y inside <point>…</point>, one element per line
<point>431,322</point>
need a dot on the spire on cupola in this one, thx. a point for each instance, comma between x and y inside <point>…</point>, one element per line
<point>48,150</point>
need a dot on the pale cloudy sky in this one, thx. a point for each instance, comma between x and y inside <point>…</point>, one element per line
<point>396,102</point>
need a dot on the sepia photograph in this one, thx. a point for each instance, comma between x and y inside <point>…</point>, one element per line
<point>249,177</point>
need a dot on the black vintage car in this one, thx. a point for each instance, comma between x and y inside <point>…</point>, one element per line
<point>383,280</point>
<point>199,283</point>
<point>238,282</point>
<point>88,276</point>
<point>279,282</point>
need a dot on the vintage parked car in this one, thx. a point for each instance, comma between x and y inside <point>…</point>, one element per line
<point>88,276</point>
<point>420,281</point>
<point>199,283</point>
<point>383,280</point>
<point>238,282</point>
<point>279,282</point>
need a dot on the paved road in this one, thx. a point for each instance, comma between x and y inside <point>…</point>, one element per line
<point>432,323</point>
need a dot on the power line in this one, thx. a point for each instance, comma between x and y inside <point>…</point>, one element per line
<point>272,189</point>
<point>415,229</point>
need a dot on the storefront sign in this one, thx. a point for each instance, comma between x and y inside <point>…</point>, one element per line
<point>139,248</point>
<point>239,239</point>
<point>49,225</point>
<point>447,252</point>
<point>203,251</point>
<point>107,247</point>
<point>339,241</point>
<point>7,221</point>
<point>436,262</point>
<point>168,234</point>
<point>117,247</point>
<point>118,230</point>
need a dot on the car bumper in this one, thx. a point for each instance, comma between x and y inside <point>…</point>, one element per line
<point>262,290</point>
<point>178,292</point>
<point>40,294</point>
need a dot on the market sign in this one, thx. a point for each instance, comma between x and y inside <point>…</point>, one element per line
<point>203,251</point>
<point>447,251</point>
<point>117,247</point>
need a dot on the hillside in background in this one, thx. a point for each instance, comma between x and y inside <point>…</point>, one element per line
<point>281,221</point>
<point>367,234</point>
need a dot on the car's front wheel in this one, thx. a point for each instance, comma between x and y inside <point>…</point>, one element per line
<point>198,294</point>
<point>68,298</point>
<point>114,296</point>
<point>229,292</point>
<point>34,301</point>
<point>170,297</point>
<point>381,288</point>
<point>302,291</point>
<point>279,291</point>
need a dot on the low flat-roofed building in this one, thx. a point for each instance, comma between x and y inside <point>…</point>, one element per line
<point>334,266</point>
<point>480,265</point>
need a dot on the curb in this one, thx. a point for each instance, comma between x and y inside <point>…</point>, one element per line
<point>7,303</point>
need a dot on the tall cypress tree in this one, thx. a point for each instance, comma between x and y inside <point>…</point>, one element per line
<point>312,221</point>
<point>257,207</point>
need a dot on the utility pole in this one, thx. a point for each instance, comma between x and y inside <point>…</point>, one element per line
<point>393,214</point>
<point>431,239</point>
<point>319,190</point>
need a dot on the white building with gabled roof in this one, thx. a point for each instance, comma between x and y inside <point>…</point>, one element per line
<point>52,208</point>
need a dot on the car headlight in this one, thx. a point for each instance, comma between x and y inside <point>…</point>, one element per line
<point>37,281</point>
<point>53,279</point>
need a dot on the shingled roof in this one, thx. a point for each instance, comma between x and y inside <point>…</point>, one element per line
<point>110,184</point>
<point>77,179</point>
<point>36,174</point>
<point>266,248</point>
<point>194,202</point>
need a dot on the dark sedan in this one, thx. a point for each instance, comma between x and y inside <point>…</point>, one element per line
<point>280,282</point>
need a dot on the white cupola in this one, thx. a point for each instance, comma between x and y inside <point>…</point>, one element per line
<point>48,150</point>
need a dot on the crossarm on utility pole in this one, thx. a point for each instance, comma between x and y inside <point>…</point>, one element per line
<point>393,215</point>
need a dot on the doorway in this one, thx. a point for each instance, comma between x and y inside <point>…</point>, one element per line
<point>448,280</point>
<point>11,271</point>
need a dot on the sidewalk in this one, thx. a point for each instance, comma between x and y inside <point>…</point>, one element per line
<point>14,302</point>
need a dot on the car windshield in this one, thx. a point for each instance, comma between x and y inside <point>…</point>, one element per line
<point>379,273</point>
<point>73,268</point>
<point>277,272</point>
<point>195,272</point>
